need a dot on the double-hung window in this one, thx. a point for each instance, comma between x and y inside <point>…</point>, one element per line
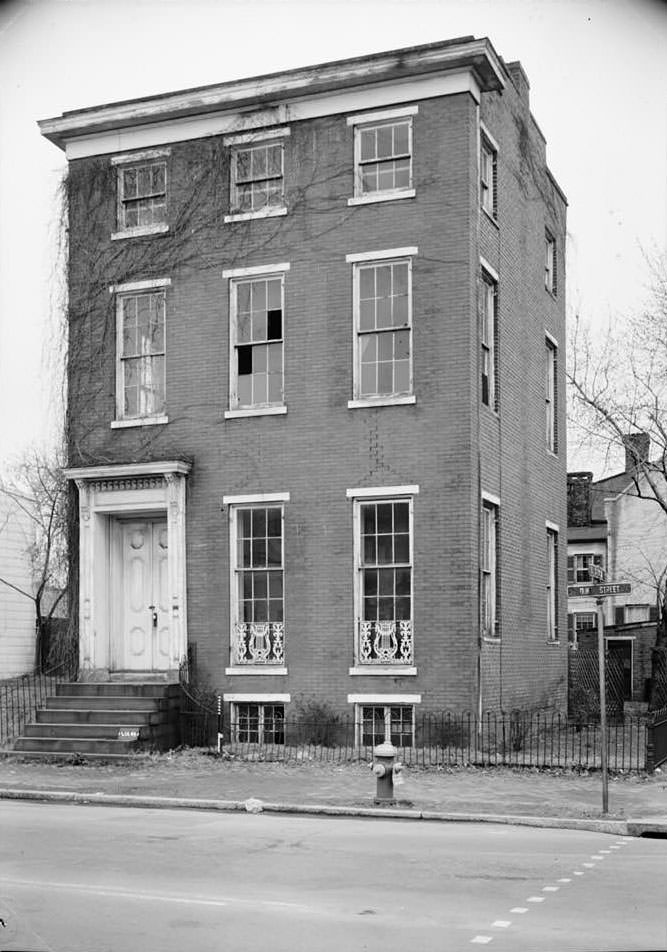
<point>257,174</point>
<point>257,583</point>
<point>141,351</point>
<point>383,583</point>
<point>550,279</point>
<point>382,291</point>
<point>383,155</point>
<point>488,336</point>
<point>141,192</point>
<point>551,393</point>
<point>552,583</point>
<point>488,174</point>
<point>489,570</point>
<point>257,336</point>
<point>579,567</point>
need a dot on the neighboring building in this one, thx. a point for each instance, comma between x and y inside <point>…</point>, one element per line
<point>609,525</point>
<point>316,389</point>
<point>17,610</point>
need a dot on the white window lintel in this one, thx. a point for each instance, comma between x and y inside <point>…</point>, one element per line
<point>146,155</point>
<point>552,526</point>
<point>382,115</point>
<point>147,285</point>
<point>490,498</point>
<point>552,340</point>
<point>489,138</point>
<point>384,699</point>
<point>490,270</point>
<point>261,135</point>
<point>385,253</point>
<point>375,491</point>
<point>256,269</point>
<point>255,497</point>
<point>257,698</point>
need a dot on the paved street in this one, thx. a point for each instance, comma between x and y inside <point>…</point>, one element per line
<point>95,879</point>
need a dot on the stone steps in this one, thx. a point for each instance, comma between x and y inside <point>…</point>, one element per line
<point>104,720</point>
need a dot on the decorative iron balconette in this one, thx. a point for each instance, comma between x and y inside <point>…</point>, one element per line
<point>385,642</point>
<point>259,643</point>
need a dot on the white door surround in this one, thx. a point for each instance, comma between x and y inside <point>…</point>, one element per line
<point>149,494</point>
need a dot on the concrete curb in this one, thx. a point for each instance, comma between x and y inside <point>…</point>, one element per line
<point>617,827</point>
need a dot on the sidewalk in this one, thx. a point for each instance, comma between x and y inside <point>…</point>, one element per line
<point>194,779</point>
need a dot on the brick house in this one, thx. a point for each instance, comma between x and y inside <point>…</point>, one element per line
<point>316,416</point>
<point>611,526</point>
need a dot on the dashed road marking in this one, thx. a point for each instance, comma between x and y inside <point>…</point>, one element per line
<point>564,880</point>
<point>604,851</point>
<point>482,939</point>
<point>501,924</point>
<point>588,865</point>
<point>535,899</point>
<point>519,909</point>
<point>578,872</point>
<point>597,856</point>
<point>550,888</point>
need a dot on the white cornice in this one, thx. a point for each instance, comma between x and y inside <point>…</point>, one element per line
<point>125,470</point>
<point>408,74</point>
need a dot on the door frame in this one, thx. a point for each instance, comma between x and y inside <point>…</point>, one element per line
<point>107,493</point>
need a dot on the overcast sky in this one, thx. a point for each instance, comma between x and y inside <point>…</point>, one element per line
<point>598,75</point>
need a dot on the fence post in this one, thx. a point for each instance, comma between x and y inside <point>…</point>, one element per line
<point>650,744</point>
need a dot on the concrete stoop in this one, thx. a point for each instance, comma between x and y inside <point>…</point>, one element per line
<point>107,720</point>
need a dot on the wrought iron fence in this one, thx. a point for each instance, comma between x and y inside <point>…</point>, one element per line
<point>20,698</point>
<point>516,739</point>
<point>656,741</point>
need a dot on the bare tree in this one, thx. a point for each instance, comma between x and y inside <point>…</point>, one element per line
<point>617,390</point>
<point>37,487</point>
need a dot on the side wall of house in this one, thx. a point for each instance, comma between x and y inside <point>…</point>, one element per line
<point>17,615</point>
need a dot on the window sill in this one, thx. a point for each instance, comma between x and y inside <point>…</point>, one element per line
<point>491,641</point>
<point>139,421</point>
<point>386,670</point>
<point>553,644</point>
<point>552,294</point>
<point>255,669</point>
<point>491,217</point>
<point>492,410</point>
<point>255,411</point>
<point>382,402</point>
<point>381,197</point>
<point>141,232</point>
<point>262,213</point>
<point>552,453</point>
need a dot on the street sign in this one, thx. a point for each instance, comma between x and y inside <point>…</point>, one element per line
<point>599,591</point>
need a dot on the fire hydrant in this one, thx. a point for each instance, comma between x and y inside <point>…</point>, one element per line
<point>387,772</point>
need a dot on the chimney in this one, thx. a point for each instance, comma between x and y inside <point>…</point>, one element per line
<point>637,447</point>
<point>520,80</point>
<point>579,510</point>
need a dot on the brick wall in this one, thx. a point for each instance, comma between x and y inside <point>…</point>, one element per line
<point>446,443</point>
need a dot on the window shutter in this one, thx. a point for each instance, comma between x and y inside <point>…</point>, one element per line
<point>619,615</point>
<point>570,627</point>
<point>570,568</point>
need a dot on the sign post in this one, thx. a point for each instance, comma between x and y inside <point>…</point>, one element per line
<point>600,590</point>
<point>603,706</point>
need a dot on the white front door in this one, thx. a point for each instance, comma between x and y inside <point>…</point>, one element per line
<point>144,607</point>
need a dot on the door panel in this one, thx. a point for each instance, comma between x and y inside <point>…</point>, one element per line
<point>145,596</point>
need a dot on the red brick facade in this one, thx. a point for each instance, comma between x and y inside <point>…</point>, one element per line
<point>446,443</point>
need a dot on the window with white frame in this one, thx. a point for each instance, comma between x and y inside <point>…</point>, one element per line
<point>550,282</point>
<point>383,325</point>
<point>257,584</point>
<point>380,722</point>
<point>257,176</point>
<point>488,175</point>
<point>489,571</point>
<point>257,723</point>
<point>383,157</point>
<point>257,310</point>
<point>142,195</point>
<point>552,584</point>
<point>141,353</point>
<point>383,547</point>
<point>579,566</point>
<point>550,394</point>
<point>488,332</point>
